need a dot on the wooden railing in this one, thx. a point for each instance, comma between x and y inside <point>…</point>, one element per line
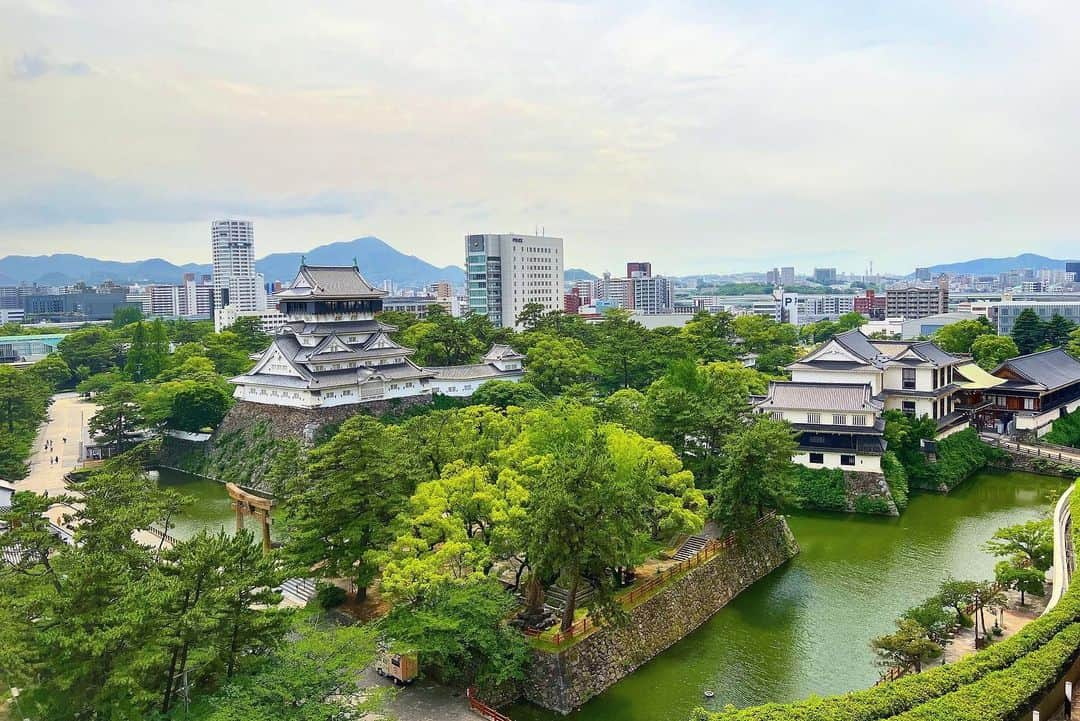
<point>482,708</point>
<point>158,533</point>
<point>1039,450</point>
<point>642,589</point>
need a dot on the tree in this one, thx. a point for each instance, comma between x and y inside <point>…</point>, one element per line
<point>990,351</point>
<point>1057,330</point>
<point>52,371</point>
<point>851,321</point>
<point>530,317</point>
<point>461,634</point>
<point>694,408</point>
<point>313,677</point>
<point>757,473</point>
<point>587,517</point>
<point>502,394</point>
<point>137,367</point>
<point>620,350</point>
<point>120,417</point>
<point>957,337</point>
<point>126,315</point>
<point>96,348</point>
<point>958,595</point>
<point>555,363</point>
<point>338,509</point>
<point>1025,579</point>
<point>249,332</point>
<point>1073,346</point>
<point>936,620</point>
<point>711,336</point>
<point>985,596</point>
<point>1028,331</point>
<point>629,408</point>
<point>198,407</point>
<point>1030,543</point>
<point>907,646</point>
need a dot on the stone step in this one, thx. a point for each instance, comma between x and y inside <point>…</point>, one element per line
<point>555,597</point>
<point>691,547</point>
<point>300,589</point>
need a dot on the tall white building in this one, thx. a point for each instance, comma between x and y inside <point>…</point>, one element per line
<point>505,272</point>
<point>235,281</point>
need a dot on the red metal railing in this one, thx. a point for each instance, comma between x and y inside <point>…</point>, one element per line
<point>643,588</point>
<point>483,709</point>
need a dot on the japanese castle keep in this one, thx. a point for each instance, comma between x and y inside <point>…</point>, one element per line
<point>332,351</point>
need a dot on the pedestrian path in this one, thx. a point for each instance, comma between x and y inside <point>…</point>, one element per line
<point>68,415</point>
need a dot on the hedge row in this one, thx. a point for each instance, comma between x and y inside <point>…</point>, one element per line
<point>960,455</point>
<point>1001,695</point>
<point>911,692</point>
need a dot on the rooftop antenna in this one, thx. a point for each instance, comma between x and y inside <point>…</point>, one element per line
<point>303,260</point>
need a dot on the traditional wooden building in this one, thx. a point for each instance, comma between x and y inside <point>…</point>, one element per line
<point>1038,389</point>
<point>839,425</point>
<point>500,363</point>
<point>332,351</point>
<point>915,377</point>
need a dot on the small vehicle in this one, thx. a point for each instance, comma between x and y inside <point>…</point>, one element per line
<point>401,667</point>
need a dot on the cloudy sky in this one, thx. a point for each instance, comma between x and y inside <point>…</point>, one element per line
<point>708,135</point>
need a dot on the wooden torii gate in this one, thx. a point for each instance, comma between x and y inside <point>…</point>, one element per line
<point>249,504</point>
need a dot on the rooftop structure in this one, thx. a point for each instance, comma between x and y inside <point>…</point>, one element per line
<point>1033,391</point>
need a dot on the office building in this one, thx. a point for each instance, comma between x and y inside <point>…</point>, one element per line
<point>1005,313</point>
<point>917,300</point>
<point>418,305</point>
<point>870,304</point>
<point>638,267</point>
<point>922,274</point>
<point>787,275</point>
<point>506,272</point>
<point>73,307</point>
<point>650,295</point>
<point>825,276</point>
<point>234,278</point>
<point>928,325</point>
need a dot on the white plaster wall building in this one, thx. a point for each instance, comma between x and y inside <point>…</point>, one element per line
<point>839,424</point>
<point>915,377</point>
<point>500,363</point>
<point>331,350</point>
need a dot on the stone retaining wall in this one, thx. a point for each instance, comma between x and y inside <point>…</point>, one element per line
<point>303,423</point>
<point>869,487</point>
<point>565,680</point>
<point>1017,461</point>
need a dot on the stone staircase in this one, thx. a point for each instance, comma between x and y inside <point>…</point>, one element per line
<point>299,589</point>
<point>691,547</point>
<point>555,597</point>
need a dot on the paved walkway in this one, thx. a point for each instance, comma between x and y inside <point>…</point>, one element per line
<point>68,413</point>
<point>419,701</point>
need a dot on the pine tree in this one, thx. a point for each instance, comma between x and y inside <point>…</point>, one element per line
<point>136,365</point>
<point>1028,331</point>
<point>1057,330</point>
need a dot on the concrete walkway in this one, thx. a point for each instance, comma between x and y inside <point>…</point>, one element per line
<point>68,414</point>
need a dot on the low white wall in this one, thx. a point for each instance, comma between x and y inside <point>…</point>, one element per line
<point>863,463</point>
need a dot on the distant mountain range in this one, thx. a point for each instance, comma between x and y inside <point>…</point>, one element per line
<point>378,261</point>
<point>993,266</point>
<point>573,274</point>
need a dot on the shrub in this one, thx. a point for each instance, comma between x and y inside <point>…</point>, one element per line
<point>329,596</point>
<point>822,488</point>
<point>960,455</point>
<point>896,477</point>
<point>871,504</point>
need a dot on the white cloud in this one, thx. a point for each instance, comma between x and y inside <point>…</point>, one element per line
<point>686,134</point>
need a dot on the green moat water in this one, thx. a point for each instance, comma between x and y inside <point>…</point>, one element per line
<point>805,628</point>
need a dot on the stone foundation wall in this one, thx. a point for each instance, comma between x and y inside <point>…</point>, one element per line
<point>565,680</point>
<point>1016,461</point>
<point>302,423</point>
<point>869,493</point>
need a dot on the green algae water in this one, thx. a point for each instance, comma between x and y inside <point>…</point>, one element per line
<point>210,507</point>
<point>805,628</point>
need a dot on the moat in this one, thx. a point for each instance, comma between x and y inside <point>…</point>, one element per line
<point>805,628</point>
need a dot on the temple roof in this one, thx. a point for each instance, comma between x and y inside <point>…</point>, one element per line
<point>329,281</point>
<point>1049,369</point>
<point>820,396</point>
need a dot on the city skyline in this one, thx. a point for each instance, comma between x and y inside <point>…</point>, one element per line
<point>731,138</point>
